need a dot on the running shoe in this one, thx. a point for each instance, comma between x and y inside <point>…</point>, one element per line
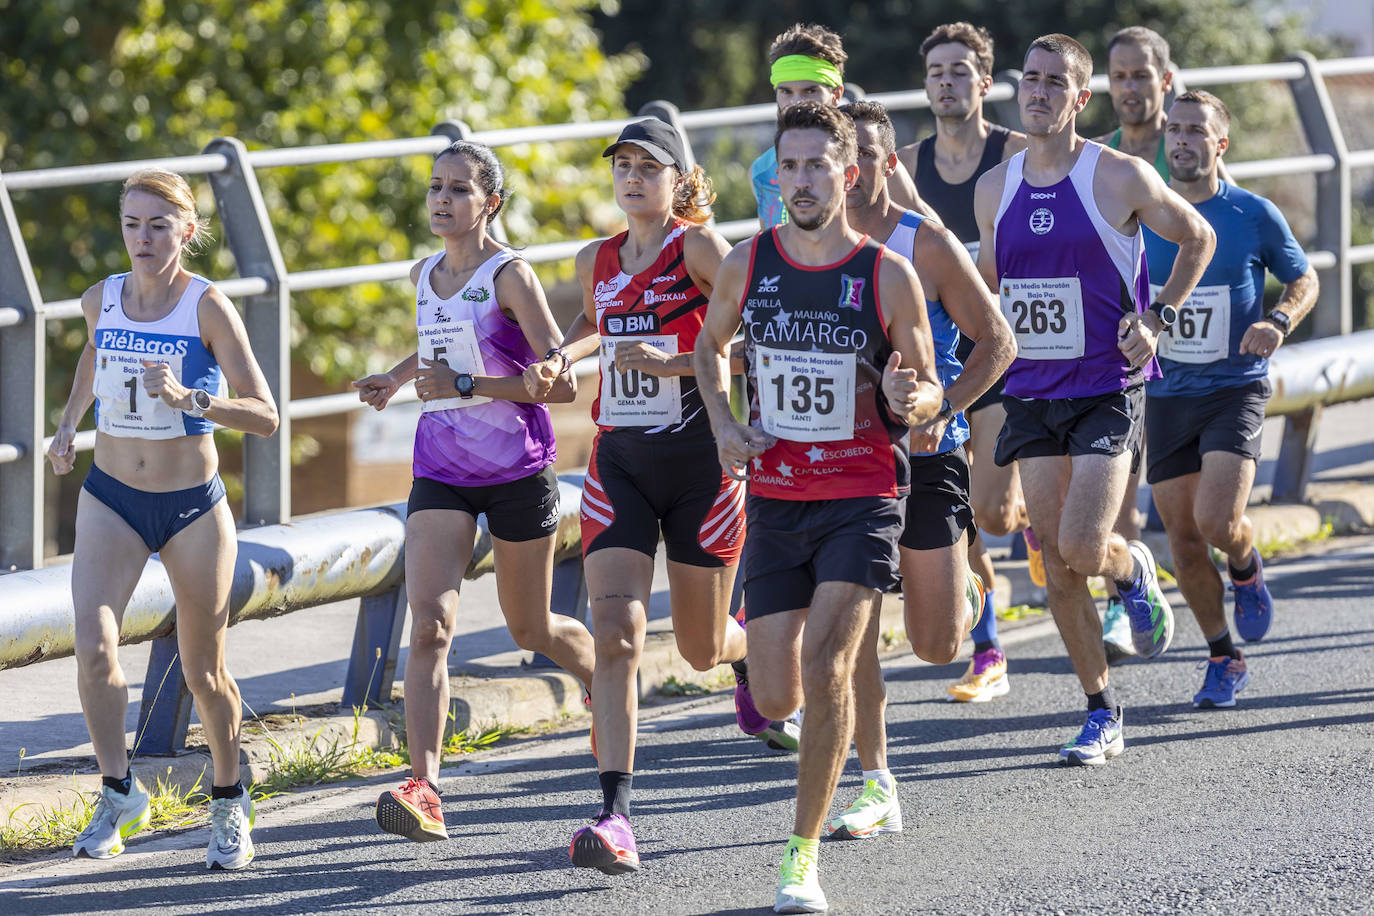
<point>117,817</point>
<point>1254,610</point>
<point>975,593</point>
<point>750,720</point>
<point>1099,741</point>
<point>608,845</point>
<point>985,678</point>
<point>875,811</point>
<point>1225,678</point>
<point>1152,620</point>
<point>231,832</point>
<point>412,811</point>
<point>1035,558</point>
<point>784,735</point>
<point>1116,632</point>
<point>799,883</point>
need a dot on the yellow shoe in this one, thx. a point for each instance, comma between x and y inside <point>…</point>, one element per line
<point>986,678</point>
<point>1035,557</point>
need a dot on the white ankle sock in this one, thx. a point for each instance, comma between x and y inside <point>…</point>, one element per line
<point>883,777</point>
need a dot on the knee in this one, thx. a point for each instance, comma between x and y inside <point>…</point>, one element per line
<point>614,643</point>
<point>204,680</point>
<point>935,647</point>
<point>825,673</point>
<point>996,517</point>
<point>1083,556</point>
<point>1218,531</point>
<point>774,699</point>
<point>702,655</point>
<point>530,638</point>
<point>430,629</point>
<point>96,661</point>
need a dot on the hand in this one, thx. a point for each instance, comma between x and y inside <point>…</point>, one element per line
<point>899,385</point>
<point>160,382</point>
<point>1261,339</point>
<point>737,445</point>
<point>1136,340</point>
<point>377,390</point>
<point>636,354</point>
<point>62,451</point>
<point>925,439</point>
<point>434,380</point>
<point>539,377</point>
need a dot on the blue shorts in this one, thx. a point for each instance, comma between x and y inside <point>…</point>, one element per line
<point>155,517</point>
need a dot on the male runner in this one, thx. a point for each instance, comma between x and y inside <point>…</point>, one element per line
<point>1203,426</point>
<point>943,597</point>
<point>840,363</point>
<point>1060,240</point>
<point>807,65</point>
<point>947,166</point>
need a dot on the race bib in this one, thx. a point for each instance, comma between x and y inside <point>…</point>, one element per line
<point>454,343</point>
<point>1046,316</point>
<point>634,398</point>
<point>805,397</point>
<point>126,409</point>
<point>1202,333</point>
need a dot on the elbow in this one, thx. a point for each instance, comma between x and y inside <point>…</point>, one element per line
<point>271,422</point>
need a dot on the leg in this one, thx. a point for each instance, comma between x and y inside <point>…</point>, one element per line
<point>200,563</point>
<point>706,634</point>
<point>108,561</point>
<point>933,593</point>
<point>1220,505</point>
<point>1198,579</point>
<point>870,701</point>
<point>524,581</point>
<point>619,581</point>
<point>998,505</point>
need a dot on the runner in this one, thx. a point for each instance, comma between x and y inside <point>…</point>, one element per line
<point>943,597</point>
<point>947,167</point>
<point>162,341</point>
<point>483,445</point>
<point>1060,238</point>
<point>807,65</point>
<point>834,379</point>
<point>1140,76</point>
<point>652,467</point>
<point>1203,426</point>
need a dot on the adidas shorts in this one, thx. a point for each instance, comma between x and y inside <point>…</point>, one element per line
<point>1105,424</point>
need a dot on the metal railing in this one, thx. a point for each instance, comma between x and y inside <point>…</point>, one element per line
<point>264,285</point>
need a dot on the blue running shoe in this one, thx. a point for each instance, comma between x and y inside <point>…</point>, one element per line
<point>1225,678</point>
<point>1117,641</point>
<point>1099,741</point>
<point>1152,620</point>
<point>1254,610</point>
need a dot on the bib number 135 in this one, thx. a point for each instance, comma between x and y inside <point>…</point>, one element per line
<point>805,397</point>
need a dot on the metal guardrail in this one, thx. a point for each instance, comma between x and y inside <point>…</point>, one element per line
<point>264,285</point>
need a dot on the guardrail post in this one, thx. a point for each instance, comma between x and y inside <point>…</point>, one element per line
<point>1008,112</point>
<point>376,645</point>
<point>667,111</point>
<point>248,230</point>
<point>1332,316</point>
<point>22,364</point>
<point>165,713</point>
<point>1294,466</point>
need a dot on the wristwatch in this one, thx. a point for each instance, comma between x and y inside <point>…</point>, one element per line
<point>1280,320</point>
<point>1167,313</point>
<point>947,411</point>
<point>200,402</point>
<point>465,384</point>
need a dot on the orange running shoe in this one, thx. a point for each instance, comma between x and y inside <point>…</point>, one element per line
<point>412,811</point>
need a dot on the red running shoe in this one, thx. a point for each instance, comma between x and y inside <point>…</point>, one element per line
<point>412,811</point>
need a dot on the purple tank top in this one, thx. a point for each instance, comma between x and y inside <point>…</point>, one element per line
<point>477,441</point>
<point>1065,278</point>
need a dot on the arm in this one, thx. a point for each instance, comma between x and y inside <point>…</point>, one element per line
<point>62,452</point>
<point>378,389</point>
<point>904,194</point>
<point>581,339</point>
<point>1262,338</point>
<point>909,381</point>
<point>736,443</point>
<point>987,196</point>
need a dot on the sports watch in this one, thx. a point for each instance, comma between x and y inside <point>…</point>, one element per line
<point>465,384</point>
<point>1167,313</point>
<point>946,411</point>
<point>200,402</point>
<point>1280,320</point>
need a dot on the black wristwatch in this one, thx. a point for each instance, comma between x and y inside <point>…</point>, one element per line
<point>1280,320</point>
<point>465,384</point>
<point>946,411</point>
<point>1167,313</point>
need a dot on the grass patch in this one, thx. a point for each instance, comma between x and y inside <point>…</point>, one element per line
<point>891,638</point>
<point>1285,544</point>
<point>1019,612</point>
<point>672,687</point>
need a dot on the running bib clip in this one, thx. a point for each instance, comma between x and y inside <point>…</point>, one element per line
<point>1046,316</point>
<point>805,397</point>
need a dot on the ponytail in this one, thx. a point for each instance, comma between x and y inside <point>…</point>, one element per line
<point>693,198</point>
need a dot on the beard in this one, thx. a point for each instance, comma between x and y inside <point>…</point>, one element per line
<point>821,218</point>
<point>1189,171</point>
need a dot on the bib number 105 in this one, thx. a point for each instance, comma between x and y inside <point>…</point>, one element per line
<point>632,384</point>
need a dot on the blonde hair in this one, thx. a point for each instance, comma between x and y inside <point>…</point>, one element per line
<point>172,188</point>
<point>693,197</point>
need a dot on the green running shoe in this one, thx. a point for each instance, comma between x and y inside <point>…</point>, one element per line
<point>875,811</point>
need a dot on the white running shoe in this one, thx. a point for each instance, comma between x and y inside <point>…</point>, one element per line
<point>799,883</point>
<point>231,829</point>
<point>117,817</point>
<point>875,811</point>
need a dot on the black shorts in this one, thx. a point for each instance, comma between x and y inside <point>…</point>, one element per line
<point>796,544</point>
<point>522,510</point>
<point>637,485</point>
<point>938,510</point>
<point>1179,430</point>
<point>1105,424</point>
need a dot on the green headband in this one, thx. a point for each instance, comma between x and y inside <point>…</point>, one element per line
<point>801,67</point>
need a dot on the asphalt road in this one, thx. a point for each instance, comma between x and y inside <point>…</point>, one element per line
<point>1262,809</point>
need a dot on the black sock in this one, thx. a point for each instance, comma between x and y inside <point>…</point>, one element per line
<point>1102,700</point>
<point>1222,646</point>
<point>984,645</point>
<point>233,791</point>
<point>122,786</point>
<point>741,668</point>
<point>1133,583</point>
<point>615,792</point>
<point>1241,575</point>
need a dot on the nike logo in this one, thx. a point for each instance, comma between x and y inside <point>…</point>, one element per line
<point>188,513</point>
<point>1254,434</point>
